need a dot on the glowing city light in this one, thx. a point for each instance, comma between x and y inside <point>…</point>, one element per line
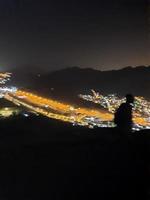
<point>102,117</point>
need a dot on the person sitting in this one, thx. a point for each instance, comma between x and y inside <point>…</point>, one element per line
<point>123,115</point>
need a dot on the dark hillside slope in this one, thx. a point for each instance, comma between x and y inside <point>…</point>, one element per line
<point>52,160</point>
<point>68,83</point>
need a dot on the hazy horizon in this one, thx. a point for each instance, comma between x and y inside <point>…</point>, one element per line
<point>52,35</point>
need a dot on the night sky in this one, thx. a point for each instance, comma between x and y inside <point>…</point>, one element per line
<point>46,34</point>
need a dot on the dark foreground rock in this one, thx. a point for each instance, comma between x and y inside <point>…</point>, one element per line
<point>74,163</point>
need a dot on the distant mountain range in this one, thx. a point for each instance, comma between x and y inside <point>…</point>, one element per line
<point>69,82</point>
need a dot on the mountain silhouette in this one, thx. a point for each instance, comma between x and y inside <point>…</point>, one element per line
<point>69,82</point>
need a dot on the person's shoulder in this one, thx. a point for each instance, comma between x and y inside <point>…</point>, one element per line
<point>123,105</point>
<point>126,106</point>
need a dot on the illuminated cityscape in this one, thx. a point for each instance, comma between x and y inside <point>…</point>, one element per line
<point>141,108</point>
<point>56,110</point>
<point>102,117</point>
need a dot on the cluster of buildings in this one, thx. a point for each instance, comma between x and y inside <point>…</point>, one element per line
<point>141,108</point>
<point>77,116</point>
<point>6,111</point>
<point>4,78</point>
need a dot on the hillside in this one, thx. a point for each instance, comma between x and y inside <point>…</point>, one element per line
<point>69,82</point>
<point>51,159</point>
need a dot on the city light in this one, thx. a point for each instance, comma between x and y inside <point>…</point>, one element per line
<point>141,108</point>
<point>102,117</point>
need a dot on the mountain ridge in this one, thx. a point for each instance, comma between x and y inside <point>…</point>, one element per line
<point>68,83</point>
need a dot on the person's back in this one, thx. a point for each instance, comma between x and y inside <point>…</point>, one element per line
<point>123,115</point>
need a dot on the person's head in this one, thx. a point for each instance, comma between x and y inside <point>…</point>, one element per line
<point>129,98</point>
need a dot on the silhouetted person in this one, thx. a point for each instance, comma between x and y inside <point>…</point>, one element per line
<point>123,115</point>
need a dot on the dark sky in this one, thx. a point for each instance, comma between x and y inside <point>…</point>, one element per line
<point>104,34</point>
